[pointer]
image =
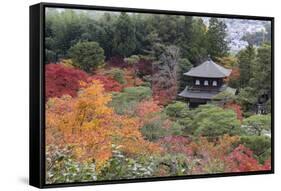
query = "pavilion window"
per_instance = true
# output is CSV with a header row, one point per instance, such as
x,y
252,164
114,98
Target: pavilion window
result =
x,y
197,82
206,83
215,83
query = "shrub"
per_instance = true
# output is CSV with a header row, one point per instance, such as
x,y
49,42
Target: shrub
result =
x,y
258,124
117,74
260,145
87,55
213,121
117,62
144,67
122,167
125,102
63,168
160,127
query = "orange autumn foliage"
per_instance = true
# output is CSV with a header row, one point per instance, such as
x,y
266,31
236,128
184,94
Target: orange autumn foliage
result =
x,y
91,127
147,107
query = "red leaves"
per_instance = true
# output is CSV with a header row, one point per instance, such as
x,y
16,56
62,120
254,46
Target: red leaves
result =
x,y
62,80
164,96
117,62
144,67
241,160
176,144
109,84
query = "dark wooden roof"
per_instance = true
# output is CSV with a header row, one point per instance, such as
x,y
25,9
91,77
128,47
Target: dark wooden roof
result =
x,y
189,93
208,69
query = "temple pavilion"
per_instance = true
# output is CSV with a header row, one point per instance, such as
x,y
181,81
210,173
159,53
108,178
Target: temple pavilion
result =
x,y
205,82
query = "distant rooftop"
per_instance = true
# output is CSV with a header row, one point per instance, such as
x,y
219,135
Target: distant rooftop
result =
x,y
208,69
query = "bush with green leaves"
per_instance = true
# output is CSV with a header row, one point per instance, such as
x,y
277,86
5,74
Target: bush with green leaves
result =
x,y
247,99
123,167
61,167
213,121
258,124
155,130
177,110
180,113
87,55
117,74
126,101
260,145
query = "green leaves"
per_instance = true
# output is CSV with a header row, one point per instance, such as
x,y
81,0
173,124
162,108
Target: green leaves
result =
x,y
124,41
258,124
87,55
126,101
213,121
63,168
260,145
216,34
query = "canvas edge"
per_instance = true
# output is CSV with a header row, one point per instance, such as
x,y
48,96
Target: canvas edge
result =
x,y
37,139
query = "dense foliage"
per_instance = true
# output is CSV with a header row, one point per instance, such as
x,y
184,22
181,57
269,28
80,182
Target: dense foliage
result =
x,y
61,80
112,105
87,55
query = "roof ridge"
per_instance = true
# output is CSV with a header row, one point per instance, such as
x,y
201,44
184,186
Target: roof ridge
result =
x,y
209,69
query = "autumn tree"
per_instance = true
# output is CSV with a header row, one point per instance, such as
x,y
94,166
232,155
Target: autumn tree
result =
x,y
62,80
241,160
109,84
80,122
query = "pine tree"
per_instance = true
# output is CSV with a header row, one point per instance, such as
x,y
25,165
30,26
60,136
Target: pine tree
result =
x,y
124,40
246,62
216,34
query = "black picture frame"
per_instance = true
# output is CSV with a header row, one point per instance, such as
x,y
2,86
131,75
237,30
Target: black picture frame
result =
x,y
37,94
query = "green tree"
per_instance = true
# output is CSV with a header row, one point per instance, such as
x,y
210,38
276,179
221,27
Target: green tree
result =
x,y
212,121
63,30
184,65
126,101
216,34
246,98
117,74
87,55
176,110
124,40
180,114
261,79
260,145
246,62
197,52
101,31
258,124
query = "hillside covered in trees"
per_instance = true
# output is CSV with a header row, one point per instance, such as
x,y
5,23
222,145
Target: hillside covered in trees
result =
x,y
112,106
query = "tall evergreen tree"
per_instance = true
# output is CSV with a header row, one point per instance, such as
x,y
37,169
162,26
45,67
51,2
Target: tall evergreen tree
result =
x,y
246,62
124,40
262,70
184,40
216,34
198,49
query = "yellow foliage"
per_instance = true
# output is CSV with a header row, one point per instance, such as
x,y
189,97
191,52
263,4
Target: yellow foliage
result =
x,y
91,127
